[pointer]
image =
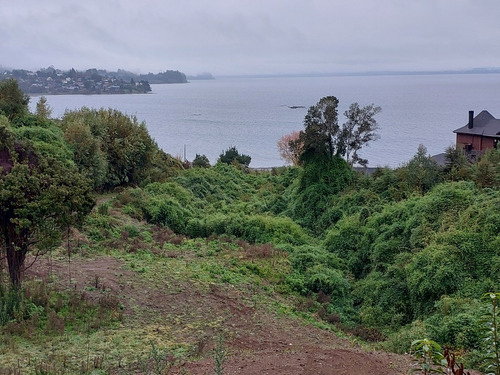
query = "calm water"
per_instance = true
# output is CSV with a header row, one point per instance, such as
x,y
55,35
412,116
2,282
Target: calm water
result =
x,y
207,117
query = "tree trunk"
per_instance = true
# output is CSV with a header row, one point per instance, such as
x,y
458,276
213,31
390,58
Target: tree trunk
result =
x,y
15,260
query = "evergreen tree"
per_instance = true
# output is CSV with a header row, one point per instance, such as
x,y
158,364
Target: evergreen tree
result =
x,y
13,102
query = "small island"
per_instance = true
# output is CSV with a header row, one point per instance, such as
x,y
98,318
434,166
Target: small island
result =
x,y
54,81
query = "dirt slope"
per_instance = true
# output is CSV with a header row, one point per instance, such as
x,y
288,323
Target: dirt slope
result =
x,y
258,341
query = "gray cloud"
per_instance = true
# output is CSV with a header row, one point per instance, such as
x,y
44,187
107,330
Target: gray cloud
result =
x,y
238,37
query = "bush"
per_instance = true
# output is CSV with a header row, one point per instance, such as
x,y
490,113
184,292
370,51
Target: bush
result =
x,y
116,147
168,212
232,157
307,256
456,323
320,180
432,273
327,280
201,161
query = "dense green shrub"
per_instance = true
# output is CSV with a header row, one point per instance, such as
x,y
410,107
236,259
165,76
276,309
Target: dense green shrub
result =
x,y
432,273
44,135
200,161
232,157
456,323
253,228
321,178
122,149
304,257
328,280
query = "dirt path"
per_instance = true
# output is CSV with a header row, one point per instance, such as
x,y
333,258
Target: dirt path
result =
x,y
258,341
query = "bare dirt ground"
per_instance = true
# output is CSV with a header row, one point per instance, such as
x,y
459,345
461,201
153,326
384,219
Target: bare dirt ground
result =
x,y
258,342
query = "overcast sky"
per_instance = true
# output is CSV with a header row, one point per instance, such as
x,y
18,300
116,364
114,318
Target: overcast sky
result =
x,y
226,37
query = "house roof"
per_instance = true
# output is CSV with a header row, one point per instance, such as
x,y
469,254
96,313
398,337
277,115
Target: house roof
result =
x,y
484,124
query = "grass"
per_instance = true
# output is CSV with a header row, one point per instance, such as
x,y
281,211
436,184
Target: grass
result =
x,y
168,277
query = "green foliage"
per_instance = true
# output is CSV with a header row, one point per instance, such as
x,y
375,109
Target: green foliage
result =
x,y
168,212
422,173
232,157
10,304
399,341
360,129
305,257
221,200
327,280
43,110
13,102
87,153
456,323
321,128
491,360
486,172
45,137
343,241
383,299
407,255
432,273
115,149
252,228
201,161
39,195
399,253
457,167
321,178
323,136
407,265
220,356
429,356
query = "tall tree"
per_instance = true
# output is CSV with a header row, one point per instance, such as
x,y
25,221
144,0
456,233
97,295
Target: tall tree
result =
x,y
360,128
13,102
456,165
232,156
422,172
43,110
323,135
321,128
39,196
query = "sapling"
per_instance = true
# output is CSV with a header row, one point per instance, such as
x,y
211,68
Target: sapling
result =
x,y
491,318
429,357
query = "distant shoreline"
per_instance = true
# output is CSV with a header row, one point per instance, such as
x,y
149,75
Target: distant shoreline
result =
x,y
368,74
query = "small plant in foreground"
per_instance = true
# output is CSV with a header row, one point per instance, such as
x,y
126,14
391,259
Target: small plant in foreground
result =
x,y
157,363
219,356
429,357
491,318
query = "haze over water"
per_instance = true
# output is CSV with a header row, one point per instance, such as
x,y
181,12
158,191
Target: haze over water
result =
x,y
207,117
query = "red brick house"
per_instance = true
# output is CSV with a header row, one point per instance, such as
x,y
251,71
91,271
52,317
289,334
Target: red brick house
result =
x,y
481,133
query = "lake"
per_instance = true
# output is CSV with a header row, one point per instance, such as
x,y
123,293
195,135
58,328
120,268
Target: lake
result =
x,y
208,117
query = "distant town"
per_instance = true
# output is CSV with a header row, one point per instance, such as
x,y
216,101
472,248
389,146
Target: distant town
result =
x,y
54,81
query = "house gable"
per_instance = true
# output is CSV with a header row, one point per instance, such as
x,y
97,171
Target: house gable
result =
x,y
481,132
